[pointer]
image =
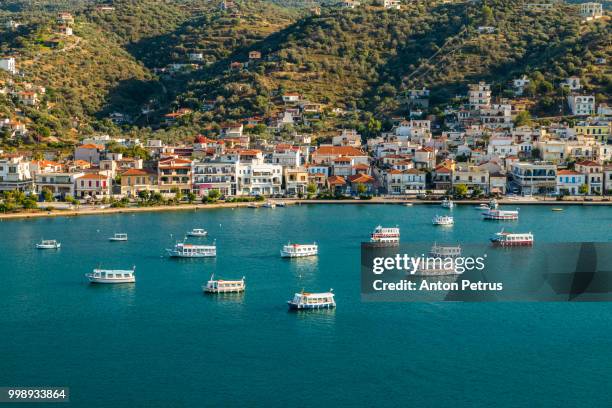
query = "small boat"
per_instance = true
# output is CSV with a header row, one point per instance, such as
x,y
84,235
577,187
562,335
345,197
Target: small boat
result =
x,y
385,236
443,220
446,203
440,262
281,204
197,232
224,286
111,276
48,244
299,250
119,237
252,205
509,239
408,204
269,204
494,213
557,209
306,301
482,206
183,250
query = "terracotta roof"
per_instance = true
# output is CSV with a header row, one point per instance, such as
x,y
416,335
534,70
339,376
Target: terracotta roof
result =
x,y
134,172
568,173
361,178
91,146
93,176
336,180
587,163
339,150
249,152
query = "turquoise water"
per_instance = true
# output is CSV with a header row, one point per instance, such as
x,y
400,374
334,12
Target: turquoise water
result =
x,y
162,343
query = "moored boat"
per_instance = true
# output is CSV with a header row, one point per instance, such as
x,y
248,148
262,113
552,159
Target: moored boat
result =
x,y
269,204
112,276
408,204
48,244
440,262
307,300
557,209
299,250
444,220
385,236
503,238
281,204
446,203
183,250
197,232
252,205
494,213
224,286
119,237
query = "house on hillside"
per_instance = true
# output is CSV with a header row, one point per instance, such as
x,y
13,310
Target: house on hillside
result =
x,y
392,4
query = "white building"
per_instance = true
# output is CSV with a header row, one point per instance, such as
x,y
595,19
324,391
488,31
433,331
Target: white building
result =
x,y
520,84
59,184
581,105
287,155
93,185
8,64
531,178
573,83
569,182
479,95
348,137
591,11
404,182
259,179
392,4
221,175
15,174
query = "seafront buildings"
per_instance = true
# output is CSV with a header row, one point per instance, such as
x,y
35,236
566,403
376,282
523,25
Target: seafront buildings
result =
x,y
480,152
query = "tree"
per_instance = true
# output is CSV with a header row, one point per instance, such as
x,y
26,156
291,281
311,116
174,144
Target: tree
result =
x,y
191,197
487,15
214,194
477,191
144,195
583,189
523,118
460,190
361,189
311,189
47,195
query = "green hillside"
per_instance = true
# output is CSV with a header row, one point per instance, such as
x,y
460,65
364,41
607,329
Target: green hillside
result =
x,y
135,59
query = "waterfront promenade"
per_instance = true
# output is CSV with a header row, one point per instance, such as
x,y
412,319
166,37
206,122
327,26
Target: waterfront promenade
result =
x,y
100,210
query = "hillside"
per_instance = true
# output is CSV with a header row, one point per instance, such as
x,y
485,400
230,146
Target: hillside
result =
x,y
145,58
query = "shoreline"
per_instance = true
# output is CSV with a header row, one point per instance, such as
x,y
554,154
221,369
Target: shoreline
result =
x,y
196,207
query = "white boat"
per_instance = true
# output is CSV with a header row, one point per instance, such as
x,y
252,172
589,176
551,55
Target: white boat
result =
x,y
446,203
252,205
440,261
385,236
48,244
494,213
299,250
197,232
183,250
224,286
112,276
119,237
269,204
443,220
408,204
509,239
482,206
306,300
281,204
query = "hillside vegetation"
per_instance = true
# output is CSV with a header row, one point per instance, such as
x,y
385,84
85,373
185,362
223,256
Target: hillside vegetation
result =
x,y
135,59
